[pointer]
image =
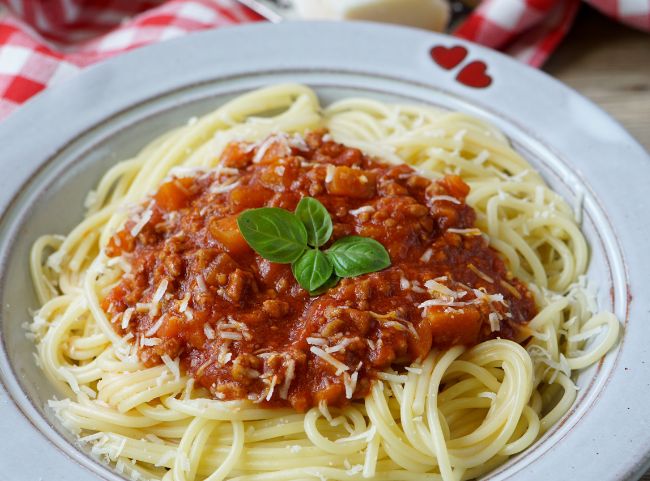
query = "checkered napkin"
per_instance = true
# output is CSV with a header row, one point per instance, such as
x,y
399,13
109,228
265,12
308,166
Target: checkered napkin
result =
x,y
44,42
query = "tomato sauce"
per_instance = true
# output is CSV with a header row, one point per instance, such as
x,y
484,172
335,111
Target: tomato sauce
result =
x,y
245,329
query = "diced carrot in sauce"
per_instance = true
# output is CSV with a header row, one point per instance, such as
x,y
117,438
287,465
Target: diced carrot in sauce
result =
x,y
226,232
455,186
351,182
236,155
174,195
123,241
249,197
456,327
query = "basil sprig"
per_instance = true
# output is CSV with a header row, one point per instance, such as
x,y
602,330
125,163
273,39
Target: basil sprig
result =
x,y
287,238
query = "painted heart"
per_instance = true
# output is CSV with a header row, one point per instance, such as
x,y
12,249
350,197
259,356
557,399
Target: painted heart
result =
x,y
448,57
474,74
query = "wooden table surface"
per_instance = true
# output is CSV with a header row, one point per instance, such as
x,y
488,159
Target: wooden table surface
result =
x,y
610,64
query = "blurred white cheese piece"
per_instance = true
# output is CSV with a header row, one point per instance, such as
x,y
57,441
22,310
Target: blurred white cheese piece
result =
x,y
428,14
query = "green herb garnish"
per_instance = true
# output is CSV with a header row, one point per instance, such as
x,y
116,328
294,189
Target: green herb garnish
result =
x,y
286,238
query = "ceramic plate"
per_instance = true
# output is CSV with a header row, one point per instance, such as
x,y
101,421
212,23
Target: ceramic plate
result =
x,y
57,146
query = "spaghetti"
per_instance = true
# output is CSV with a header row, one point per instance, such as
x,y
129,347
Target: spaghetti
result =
x,y
453,414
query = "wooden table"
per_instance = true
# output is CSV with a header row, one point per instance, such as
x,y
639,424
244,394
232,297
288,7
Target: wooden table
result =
x,y
610,64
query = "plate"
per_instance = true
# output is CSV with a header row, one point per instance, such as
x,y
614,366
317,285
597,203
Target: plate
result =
x,y
57,146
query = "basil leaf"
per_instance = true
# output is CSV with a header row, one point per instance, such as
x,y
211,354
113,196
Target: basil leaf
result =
x,y
312,270
353,256
316,219
329,283
275,234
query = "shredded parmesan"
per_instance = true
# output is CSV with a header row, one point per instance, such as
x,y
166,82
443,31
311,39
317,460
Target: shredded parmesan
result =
x,y
143,307
200,283
289,375
316,341
144,220
350,383
152,341
435,286
184,302
448,198
364,208
426,257
126,317
269,394
208,331
340,367
172,365
153,329
340,346
235,336
280,138
222,188
494,318
329,173
160,292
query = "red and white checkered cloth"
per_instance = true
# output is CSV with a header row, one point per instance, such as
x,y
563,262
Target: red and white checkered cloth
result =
x,y
44,42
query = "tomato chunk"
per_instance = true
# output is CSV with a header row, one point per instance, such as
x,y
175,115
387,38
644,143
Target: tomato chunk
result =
x,y
226,232
174,195
352,183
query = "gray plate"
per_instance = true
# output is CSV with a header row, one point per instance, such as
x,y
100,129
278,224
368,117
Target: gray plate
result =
x,y
58,145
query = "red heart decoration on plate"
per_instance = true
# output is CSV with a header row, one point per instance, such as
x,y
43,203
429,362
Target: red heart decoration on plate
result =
x,y
474,74
448,57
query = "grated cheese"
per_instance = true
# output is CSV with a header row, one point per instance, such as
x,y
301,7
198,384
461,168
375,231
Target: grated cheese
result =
x,y
208,331
235,336
350,383
200,283
289,375
329,173
494,318
153,329
126,317
340,346
448,198
222,188
151,341
362,209
173,366
144,220
269,394
316,341
69,378
160,292
426,256
266,145
184,302
340,367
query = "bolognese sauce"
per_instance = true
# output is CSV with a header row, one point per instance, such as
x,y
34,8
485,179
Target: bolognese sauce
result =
x,y
244,328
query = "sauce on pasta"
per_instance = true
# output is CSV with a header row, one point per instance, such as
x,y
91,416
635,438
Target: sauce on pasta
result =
x,y
244,328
